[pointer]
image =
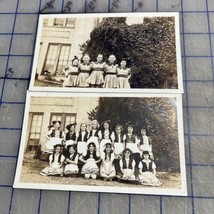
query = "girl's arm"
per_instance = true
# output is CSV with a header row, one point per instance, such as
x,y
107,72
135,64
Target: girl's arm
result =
x,y
81,159
47,136
121,166
133,166
153,168
129,73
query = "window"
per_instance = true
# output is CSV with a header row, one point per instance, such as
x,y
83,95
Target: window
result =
x,y
45,22
59,22
65,22
35,131
65,118
57,58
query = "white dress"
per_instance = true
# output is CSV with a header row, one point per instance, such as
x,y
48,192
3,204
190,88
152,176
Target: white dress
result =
x,y
71,76
146,177
90,167
71,168
97,74
123,77
107,168
55,168
84,72
110,76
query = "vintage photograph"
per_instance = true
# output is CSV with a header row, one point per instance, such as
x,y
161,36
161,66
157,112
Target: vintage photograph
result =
x,y
124,52
103,142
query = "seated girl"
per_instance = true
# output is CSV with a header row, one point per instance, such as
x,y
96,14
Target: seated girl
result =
x,y
127,165
90,160
107,169
55,162
147,170
71,161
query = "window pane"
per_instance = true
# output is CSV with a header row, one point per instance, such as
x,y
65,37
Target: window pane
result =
x,y
59,22
63,59
45,22
70,22
51,58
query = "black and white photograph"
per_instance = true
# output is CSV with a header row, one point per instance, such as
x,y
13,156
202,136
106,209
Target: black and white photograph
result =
x,y
121,143
127,52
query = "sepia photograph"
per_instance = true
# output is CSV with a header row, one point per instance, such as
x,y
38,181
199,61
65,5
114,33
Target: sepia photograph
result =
x,y
126,52
103,142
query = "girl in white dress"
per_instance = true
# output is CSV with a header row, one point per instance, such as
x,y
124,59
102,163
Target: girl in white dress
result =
x,y
82,137
71,161
54,136
84,71
96,79
147,169
71,71
90,160
123,75
55,162
111,73
107,169
127,165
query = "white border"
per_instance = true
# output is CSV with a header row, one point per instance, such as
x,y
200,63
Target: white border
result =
x,y
64,89
141,190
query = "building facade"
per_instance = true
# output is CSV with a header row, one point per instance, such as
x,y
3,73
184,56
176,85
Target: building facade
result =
x,y
44,110
60,41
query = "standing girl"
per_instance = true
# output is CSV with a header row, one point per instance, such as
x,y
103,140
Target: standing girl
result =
x,y
105,134
54,136
71,71
84,71
70,136
90,160
147,169
111,73
55,162
127,165
94,133
123,75
82,137
96,78
71,161
145,143
107,169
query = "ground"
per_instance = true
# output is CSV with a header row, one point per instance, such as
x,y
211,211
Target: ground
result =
x,y
32,167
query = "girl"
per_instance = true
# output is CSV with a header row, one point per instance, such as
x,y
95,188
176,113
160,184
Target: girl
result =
x,y
145,143
71,161
107,169
105,134
96,78
71,71
90,160
55,162
82,137
84,71
110,73
131,142
123,75
54,136
147,169
70,136
117,141
94,133
127,165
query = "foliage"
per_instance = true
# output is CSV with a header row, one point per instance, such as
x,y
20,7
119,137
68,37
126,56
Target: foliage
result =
x,y
157,115
148,47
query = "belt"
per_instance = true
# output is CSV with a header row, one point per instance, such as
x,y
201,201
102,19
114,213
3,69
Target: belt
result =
x,y
124,76
72,73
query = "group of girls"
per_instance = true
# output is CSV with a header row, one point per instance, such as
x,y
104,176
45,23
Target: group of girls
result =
x,y
101,152
97,74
